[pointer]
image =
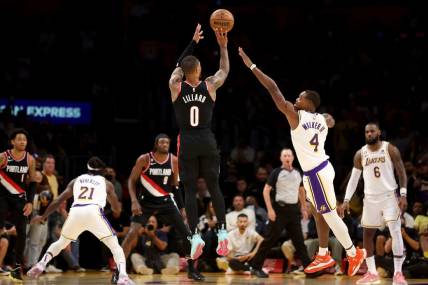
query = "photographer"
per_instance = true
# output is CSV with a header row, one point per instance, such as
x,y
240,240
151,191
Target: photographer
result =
x,y
153,258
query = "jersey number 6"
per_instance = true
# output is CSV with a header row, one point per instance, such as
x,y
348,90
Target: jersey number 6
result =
x,y
83,193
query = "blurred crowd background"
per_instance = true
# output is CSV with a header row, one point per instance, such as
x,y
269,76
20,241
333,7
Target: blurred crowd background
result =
x,y
367,59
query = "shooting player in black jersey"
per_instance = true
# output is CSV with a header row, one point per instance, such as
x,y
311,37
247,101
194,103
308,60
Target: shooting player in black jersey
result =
x,y
193,101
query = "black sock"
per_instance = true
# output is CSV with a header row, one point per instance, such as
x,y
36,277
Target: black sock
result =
x,y
190,265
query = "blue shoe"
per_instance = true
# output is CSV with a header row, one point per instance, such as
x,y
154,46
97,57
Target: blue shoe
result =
x,y
223,241
197,246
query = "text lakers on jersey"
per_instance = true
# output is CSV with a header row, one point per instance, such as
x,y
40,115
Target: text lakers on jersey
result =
x,y
378,170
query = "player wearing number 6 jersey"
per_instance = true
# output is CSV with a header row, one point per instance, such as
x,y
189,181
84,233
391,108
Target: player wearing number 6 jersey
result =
x,y
308,133
377,160
90,192
198,156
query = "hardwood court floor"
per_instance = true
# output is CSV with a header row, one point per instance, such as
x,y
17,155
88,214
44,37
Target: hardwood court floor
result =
x,y
95,278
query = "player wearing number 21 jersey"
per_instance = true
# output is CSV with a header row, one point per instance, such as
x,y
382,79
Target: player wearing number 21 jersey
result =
x,y
308,133
90,192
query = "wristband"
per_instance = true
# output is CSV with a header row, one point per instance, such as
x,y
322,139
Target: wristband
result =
x,y
253,66
403,192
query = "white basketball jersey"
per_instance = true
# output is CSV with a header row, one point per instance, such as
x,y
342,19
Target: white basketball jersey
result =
x,y
90,189
309,139
378,170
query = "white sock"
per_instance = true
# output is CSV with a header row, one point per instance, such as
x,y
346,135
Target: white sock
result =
x,y
371,265
119,257
340,230
322,251
398,263
351,251
46,258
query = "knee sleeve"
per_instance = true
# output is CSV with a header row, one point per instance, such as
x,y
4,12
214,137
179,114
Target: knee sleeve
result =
x,y
397,238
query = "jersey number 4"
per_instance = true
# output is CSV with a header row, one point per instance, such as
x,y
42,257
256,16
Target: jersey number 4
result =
x,y
83,193
194,116
314,141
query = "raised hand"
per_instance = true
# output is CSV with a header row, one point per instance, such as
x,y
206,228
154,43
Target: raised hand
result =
x,y
198,35
221,36
245,57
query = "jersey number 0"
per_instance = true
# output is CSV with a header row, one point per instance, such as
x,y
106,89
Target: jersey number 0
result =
x,y
194,116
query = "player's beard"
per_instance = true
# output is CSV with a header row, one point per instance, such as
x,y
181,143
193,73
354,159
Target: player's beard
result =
x,y
373,140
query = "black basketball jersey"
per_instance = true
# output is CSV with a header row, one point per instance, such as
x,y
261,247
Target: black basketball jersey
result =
x,y
157,177
194,107
13,174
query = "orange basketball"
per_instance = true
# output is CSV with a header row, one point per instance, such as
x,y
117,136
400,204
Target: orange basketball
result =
x,y
223,19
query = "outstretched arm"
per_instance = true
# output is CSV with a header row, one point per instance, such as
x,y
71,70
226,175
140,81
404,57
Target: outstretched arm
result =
x,y
286,107
177,74
67,194
220,76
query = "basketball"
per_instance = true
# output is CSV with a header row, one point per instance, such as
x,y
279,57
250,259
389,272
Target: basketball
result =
x,y
223,19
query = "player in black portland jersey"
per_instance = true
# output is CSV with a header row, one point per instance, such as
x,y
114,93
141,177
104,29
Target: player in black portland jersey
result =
x,y
193,101
157,174
17,189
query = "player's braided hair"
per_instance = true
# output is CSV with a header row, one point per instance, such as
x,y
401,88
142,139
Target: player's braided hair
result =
x,y
95,165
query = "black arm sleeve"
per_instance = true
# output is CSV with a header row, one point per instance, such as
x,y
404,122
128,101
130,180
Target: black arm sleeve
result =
x,y
187,51
31,191
273,177
178,197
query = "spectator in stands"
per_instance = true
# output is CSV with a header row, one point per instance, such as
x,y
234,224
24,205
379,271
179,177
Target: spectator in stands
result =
x,y
256,188
261,214
111,176
421,226
238,206
4,245
50,173
153,257
202,195
244,244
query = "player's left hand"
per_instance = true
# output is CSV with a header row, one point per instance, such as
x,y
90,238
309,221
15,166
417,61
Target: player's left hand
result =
x,y
245,57
28,208
402,203
198,35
